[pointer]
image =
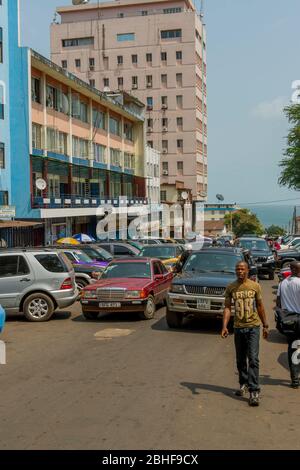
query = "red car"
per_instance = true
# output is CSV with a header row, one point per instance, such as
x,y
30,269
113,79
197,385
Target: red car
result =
x,y
128,285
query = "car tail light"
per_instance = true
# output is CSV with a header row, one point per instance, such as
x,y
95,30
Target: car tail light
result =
x,y
67,284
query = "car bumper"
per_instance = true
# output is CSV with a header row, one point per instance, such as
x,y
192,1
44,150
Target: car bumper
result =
x,y
65,298
266,267
188,304
126,306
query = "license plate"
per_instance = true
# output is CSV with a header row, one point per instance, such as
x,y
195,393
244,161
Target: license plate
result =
x,y
203,304
259,265
109,305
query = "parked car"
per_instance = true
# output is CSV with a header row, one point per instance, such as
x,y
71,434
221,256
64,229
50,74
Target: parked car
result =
x,y
285,257
169,254
200,288
2,318
294,241
36,282
261,253
138,285
119,249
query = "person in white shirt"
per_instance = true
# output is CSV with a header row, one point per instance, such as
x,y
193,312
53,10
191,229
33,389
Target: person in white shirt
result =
x,y
288,298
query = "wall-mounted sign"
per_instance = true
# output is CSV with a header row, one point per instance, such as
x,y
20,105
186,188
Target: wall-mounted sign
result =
x,y
7,212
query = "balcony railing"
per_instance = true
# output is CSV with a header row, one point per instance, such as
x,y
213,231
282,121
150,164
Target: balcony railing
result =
x,y
75,202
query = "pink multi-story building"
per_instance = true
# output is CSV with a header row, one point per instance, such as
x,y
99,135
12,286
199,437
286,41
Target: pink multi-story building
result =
x,y
155,50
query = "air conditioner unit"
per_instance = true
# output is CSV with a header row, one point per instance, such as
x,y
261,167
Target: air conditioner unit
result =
x,y
149,85
149,129
164,106
165,129
92,68
165,151
149,108
165,173
134,86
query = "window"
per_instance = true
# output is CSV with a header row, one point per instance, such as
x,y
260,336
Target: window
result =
x,y
52,263
13,266
179,145
1,46
64,64
115,157
134,82
179,122
171,34
92,82
178,55
77,63
150,143
52,97
144,12
172,10
120,15
179,101
149,102
134,59
120,60
114,126
3,198
149,81
163,196
129,161
78,42
164,122
80,147
36,136
84,112
180,168
2,155
106,82
150,123
165,167
125,37
35,90
156,269
179,79
164,101
1,101
99,153
99,119
91,63
164,144
120,82
163,56
56,141
149,57
164,80
128,131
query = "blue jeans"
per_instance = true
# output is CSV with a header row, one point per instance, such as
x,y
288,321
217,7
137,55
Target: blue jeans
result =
x,y
247,352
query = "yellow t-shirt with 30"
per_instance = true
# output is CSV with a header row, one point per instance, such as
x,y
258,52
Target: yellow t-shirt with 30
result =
x,y
244,297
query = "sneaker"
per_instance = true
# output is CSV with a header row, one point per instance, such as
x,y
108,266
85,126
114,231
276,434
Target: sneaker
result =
x,y
295,384
254,399
241,392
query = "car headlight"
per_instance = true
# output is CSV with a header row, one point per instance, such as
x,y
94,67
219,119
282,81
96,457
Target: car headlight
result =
x,y
133,294
177,289
87,294
271,258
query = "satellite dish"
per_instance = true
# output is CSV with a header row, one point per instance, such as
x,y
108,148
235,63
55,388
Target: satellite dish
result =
x,y
80,2
220,197
184,195
41,184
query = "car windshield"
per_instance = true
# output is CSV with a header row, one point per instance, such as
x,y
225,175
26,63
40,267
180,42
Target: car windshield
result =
x,y
95,253
212,262
127,270
159,251
260,245
81,256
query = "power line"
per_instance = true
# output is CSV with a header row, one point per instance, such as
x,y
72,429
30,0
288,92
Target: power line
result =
x,y
268,202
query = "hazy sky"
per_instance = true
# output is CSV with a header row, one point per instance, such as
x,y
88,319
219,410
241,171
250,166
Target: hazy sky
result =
x,y
253,57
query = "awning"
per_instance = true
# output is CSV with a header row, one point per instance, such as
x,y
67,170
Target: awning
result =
x,y
19,224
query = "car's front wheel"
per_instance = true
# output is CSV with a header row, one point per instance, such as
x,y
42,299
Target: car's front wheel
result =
x,y
150,309
81,283
174,319
286,264
38,307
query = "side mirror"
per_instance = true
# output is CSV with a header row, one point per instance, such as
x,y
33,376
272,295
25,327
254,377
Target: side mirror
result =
x,y
158,277
253,271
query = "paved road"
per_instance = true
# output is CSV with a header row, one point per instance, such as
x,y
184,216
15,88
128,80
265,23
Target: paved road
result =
x,y
73,384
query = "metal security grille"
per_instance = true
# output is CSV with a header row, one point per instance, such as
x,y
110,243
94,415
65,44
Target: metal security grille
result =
x,y
199,290
111,294
261,259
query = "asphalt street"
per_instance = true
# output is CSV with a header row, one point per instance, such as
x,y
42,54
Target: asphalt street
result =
x,y
121,383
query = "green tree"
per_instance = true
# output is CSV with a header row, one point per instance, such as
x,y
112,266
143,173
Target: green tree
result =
x,y
275,231
290,173
243,222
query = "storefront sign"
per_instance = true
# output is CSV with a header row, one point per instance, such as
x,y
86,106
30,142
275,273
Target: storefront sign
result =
x,y
7,212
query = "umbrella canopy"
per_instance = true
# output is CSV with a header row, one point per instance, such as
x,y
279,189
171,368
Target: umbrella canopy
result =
x,y
67,241
83,238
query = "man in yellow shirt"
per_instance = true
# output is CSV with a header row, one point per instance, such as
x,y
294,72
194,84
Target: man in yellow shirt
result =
x,y
245,296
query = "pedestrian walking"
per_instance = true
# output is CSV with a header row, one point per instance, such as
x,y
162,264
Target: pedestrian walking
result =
x,y
249,314
288,298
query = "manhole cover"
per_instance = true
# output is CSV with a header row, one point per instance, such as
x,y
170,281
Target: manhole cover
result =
x,y
111,333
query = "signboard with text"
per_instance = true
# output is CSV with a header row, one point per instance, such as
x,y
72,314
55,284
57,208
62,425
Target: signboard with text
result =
x,y
7,212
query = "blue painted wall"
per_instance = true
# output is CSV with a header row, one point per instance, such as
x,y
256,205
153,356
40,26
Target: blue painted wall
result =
x,y
5,177
20,125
